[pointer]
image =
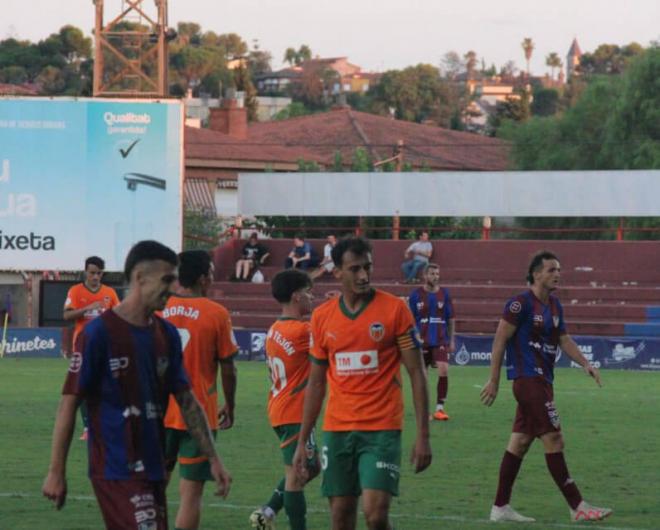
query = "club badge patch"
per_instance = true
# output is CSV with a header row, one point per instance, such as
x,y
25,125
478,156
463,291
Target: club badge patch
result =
x,y
377,331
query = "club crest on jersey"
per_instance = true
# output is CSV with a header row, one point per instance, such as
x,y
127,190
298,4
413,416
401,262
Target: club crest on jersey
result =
x,y
555,321
441,305
377,331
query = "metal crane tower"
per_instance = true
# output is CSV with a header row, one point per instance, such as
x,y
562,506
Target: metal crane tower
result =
x,y
130,55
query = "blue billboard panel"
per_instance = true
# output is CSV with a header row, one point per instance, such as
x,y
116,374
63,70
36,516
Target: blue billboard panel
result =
x,y
87,177
32,342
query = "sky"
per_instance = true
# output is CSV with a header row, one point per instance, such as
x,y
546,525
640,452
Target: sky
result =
x,y
379,34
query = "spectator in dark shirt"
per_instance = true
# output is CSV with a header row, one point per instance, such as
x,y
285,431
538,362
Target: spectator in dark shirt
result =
x,y
302,255
253,255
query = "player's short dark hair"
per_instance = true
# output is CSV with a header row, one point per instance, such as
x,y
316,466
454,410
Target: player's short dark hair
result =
x,y
287,282
357,245
95,260
537,263
430,265
193,264
300,236
148,250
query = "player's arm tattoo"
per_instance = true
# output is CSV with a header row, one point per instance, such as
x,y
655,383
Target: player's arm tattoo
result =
x,y
196,422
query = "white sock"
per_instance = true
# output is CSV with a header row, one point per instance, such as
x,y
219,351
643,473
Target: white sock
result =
x,y
439,406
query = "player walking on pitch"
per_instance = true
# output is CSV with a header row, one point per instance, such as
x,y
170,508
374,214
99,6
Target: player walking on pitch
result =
x,y
433,310
359,341
207,340
532,330
287,352
84,302
126,364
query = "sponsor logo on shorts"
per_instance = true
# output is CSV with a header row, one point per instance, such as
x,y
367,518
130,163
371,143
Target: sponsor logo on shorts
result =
x,y
142,501
392,469
75,364
356,362
377,331
142,516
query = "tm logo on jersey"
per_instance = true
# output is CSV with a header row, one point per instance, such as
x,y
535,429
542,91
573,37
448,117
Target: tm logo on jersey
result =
x,y
356,362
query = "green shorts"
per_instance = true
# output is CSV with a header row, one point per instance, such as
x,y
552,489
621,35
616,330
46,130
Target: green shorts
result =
x,y
181,447
356,460
288,436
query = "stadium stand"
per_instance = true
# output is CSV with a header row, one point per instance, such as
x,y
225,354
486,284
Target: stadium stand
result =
x,y
609,288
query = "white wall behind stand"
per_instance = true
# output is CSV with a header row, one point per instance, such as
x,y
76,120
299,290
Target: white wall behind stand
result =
x,y
453,194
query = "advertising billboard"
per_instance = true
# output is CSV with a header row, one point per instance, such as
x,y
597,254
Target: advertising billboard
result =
x,y
82,177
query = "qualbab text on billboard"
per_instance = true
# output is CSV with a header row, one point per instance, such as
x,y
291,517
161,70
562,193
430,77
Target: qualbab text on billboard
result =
x,y
127,123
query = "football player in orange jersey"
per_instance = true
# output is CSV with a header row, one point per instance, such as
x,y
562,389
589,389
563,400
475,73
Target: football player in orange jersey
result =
x,y
84,302
207,340
287,351
359,341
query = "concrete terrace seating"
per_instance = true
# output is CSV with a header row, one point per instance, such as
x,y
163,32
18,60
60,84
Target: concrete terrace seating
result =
x,y
608,287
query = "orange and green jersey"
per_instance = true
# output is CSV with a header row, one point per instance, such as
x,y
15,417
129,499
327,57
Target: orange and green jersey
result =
x,y
80,296
206,338
363,353
287,353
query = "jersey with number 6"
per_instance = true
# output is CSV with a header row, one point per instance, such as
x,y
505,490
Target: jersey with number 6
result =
x,y
363,354
287,351
206,338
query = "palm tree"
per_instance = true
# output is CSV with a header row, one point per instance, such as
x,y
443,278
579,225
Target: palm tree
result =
x,y
553,61
290,56
528,46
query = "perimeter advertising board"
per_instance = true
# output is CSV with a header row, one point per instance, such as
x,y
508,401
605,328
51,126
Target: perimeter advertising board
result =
x,y
87,177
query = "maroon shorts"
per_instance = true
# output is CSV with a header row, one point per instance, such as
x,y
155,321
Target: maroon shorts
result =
x,y
132,504
536,414
435,354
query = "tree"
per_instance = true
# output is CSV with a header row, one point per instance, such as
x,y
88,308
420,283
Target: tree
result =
x,y
609,59
232,45
243,83
293,110
290,56
451,65
258,60
528,47
51,80
545,102
470,63
514,109
416,93
553,61
189,33
304,53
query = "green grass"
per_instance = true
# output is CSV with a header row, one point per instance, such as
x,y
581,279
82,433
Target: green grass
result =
x,y
612,446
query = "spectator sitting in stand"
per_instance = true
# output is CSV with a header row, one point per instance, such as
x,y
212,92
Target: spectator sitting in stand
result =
x,y
253,255
302,255
417,255
326,265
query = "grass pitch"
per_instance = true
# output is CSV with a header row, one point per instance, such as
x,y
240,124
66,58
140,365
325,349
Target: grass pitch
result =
x,y
612,447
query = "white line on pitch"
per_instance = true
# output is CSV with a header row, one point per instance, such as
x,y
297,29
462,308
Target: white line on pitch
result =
x,y
394,515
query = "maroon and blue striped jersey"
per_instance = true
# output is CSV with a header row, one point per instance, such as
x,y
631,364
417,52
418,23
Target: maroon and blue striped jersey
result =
x,y
126,374
432,312
534,346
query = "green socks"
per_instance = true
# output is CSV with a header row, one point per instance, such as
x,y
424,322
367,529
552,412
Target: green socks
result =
x,y
295,507
276,502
